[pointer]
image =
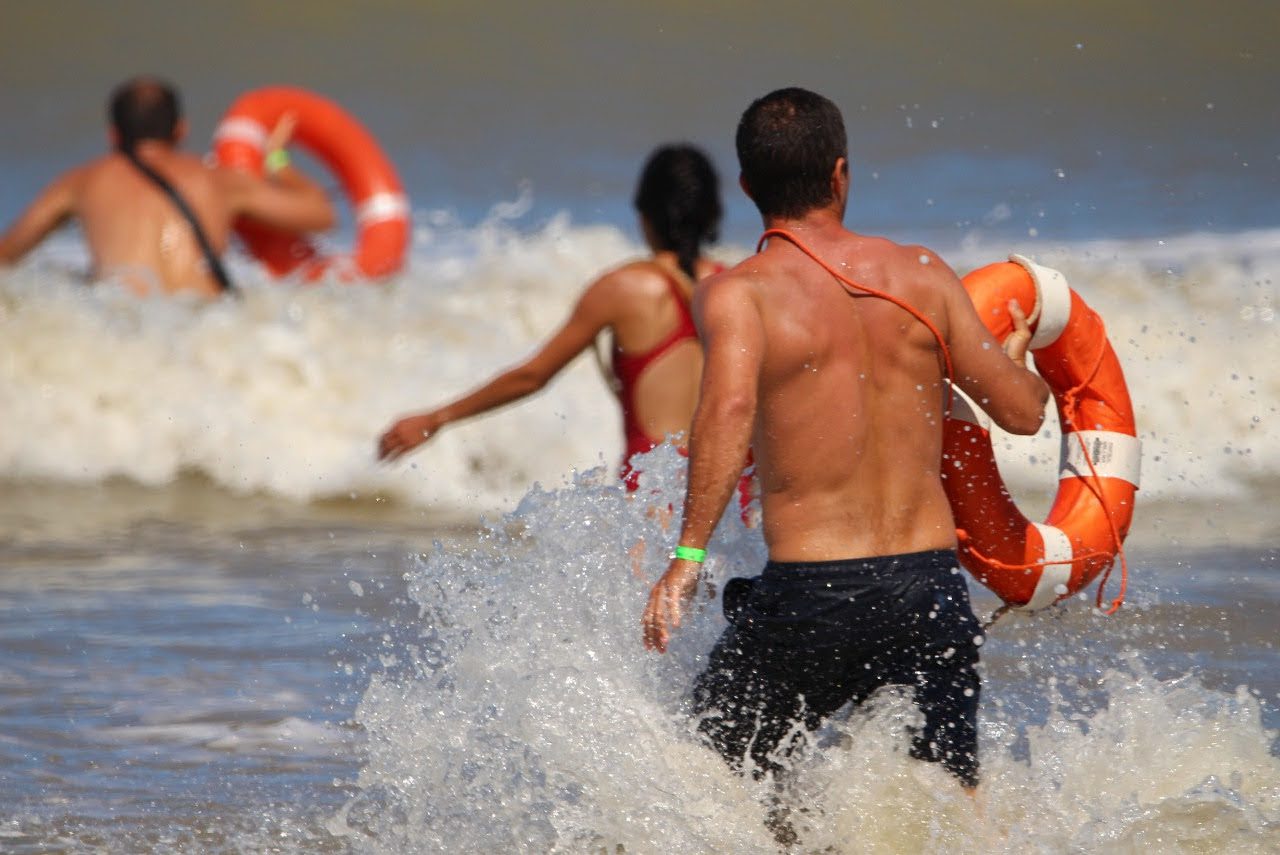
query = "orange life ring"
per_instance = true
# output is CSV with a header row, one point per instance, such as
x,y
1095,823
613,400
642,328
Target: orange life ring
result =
x,y
1031,565
350,152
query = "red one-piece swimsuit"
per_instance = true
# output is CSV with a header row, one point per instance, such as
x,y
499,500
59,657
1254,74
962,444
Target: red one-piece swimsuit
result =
x,y
628,367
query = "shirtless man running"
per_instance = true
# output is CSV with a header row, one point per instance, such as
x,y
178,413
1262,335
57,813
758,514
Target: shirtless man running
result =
x,y
841,396
134,231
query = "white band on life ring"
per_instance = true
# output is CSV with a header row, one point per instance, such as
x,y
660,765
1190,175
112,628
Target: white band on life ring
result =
x,y
240,129
1114,455
1056,574
380,207
1053,302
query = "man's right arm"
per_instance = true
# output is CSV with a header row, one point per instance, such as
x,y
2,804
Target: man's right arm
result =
x,y
995,376
48,211
732,335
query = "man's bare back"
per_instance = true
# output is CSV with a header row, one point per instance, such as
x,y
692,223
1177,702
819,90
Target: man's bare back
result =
x,y
135,233
848,429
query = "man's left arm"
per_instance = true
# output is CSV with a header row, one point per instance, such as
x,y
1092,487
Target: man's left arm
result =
x,y
732,338
48,211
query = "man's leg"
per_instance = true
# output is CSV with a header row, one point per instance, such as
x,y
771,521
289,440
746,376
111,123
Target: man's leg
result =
x,y
945,677
744,708
948,698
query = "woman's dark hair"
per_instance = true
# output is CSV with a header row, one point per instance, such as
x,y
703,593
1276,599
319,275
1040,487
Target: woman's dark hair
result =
x,y
788,142
144,108
679,196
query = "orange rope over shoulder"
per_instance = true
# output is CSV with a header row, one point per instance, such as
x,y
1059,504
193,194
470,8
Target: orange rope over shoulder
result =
x,y
851,286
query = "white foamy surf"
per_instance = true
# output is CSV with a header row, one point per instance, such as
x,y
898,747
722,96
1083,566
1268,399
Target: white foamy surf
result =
x,y
285,390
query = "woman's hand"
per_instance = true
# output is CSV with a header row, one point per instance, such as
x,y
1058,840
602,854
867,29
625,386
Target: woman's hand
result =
x,y
407,434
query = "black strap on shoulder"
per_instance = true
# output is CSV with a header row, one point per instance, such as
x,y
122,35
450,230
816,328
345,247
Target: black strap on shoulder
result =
x,y
211,258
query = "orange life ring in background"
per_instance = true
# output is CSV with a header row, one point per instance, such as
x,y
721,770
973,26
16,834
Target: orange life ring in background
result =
x,y
1032,565
338,140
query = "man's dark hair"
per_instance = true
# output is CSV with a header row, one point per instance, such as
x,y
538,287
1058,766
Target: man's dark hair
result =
x,y
788,143
144,108
679,195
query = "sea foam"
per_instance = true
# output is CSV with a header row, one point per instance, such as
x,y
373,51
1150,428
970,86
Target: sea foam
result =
x,y
286,390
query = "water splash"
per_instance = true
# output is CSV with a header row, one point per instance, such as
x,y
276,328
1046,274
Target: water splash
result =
x,y
521,714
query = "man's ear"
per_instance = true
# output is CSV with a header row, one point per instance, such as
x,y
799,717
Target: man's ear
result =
x,y
113,137
180,131
840,177
746,188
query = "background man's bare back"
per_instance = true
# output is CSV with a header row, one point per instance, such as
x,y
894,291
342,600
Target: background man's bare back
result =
x,y
135,233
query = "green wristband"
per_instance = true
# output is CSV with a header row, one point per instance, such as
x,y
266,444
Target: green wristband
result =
x,y
276,160
691,553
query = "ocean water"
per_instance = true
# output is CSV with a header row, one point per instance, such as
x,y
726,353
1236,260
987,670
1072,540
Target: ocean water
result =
x,y
225,628
210,673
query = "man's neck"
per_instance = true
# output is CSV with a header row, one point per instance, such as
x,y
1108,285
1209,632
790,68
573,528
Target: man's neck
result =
x,y
816,222
151,148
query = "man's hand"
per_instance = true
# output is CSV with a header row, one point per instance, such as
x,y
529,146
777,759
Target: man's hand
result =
x,y
1015,345
281,133
407,434
675,589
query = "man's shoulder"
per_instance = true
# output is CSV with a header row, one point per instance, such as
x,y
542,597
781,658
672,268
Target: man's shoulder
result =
x,y
917,259
890,248
741,277
91,168
731,291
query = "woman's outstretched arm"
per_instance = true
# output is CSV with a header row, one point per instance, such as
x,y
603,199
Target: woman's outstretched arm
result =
x,y
592,313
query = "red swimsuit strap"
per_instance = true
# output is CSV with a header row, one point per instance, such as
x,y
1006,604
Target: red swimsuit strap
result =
x,y
630,365
851,286
628,368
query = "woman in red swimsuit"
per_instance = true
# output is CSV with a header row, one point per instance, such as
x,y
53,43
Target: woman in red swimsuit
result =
x,y
644,304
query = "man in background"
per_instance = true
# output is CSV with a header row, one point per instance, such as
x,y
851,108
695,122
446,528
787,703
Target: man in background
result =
x,y
157,238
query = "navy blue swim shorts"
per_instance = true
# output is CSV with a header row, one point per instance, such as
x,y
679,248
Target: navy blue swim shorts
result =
x,y
804,639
